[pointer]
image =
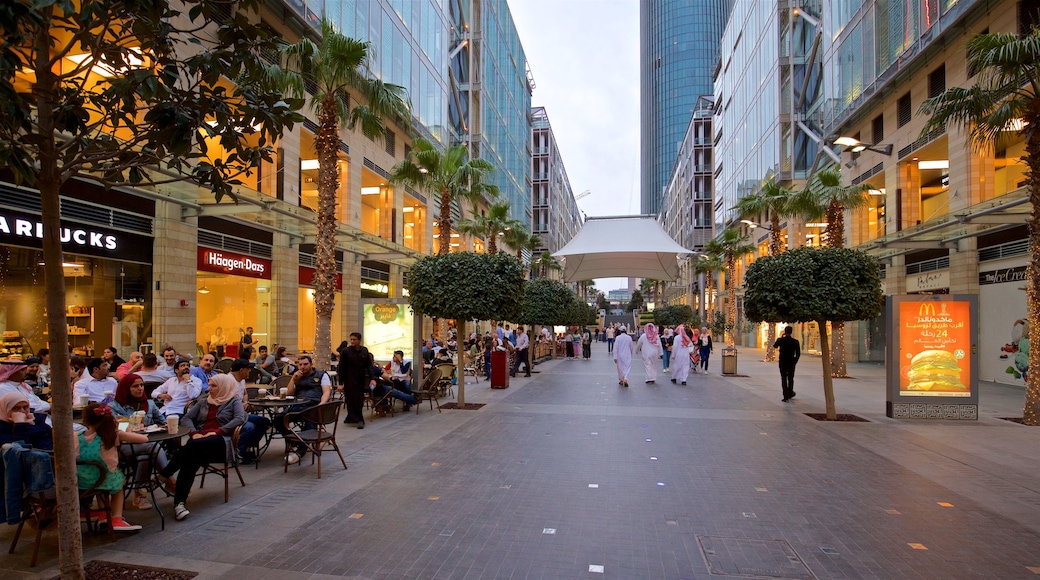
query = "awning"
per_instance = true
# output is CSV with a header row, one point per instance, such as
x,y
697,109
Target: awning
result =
x,y
1003,212
625,246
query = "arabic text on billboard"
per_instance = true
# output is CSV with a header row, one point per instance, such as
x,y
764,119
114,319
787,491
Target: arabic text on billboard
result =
x,y
934,349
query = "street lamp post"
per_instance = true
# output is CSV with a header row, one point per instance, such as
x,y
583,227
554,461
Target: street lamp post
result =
x,y
854,145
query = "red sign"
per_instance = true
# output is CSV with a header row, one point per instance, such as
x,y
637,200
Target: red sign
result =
x,y
225,262
307,278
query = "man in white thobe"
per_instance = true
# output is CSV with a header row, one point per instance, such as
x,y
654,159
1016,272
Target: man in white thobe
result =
x,y
623,355
649,347
681,345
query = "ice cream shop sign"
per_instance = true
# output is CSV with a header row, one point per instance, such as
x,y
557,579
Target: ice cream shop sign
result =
x,y
932,356
225,262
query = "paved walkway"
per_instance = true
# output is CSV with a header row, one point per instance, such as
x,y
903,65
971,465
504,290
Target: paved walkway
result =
x,y
568,475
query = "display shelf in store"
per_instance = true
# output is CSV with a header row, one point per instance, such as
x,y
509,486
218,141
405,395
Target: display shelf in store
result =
x,y
13,346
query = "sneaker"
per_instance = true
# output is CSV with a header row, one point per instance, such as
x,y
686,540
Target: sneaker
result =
x,y
180,512
293,458
142,502
121,525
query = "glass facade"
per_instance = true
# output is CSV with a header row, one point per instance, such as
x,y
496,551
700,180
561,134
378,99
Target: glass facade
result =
x,y
747,97
679,47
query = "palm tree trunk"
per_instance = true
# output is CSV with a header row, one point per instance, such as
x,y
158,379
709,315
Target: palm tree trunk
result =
x,y
444,224
70,542
709,305
776,245
828,382
1031,410
460,363
327,145
731,300
836,239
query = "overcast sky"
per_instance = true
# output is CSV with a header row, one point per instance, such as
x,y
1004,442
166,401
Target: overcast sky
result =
x,y
584,56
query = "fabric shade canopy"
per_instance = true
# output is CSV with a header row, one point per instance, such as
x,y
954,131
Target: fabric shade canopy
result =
x,y
626,246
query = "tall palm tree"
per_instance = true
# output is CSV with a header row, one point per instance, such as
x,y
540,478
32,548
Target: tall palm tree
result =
x,y
546,263
730,246
490,226
451,175
1005,98
333,70
708,265
775,201
519,239
826,196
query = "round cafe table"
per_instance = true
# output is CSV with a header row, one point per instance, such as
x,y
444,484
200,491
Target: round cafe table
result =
x,y
153,453
270,408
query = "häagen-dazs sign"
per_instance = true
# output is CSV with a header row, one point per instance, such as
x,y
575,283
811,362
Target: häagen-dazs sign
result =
x,y
928,281
234,264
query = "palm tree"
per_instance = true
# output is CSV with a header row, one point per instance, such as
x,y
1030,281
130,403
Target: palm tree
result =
x,y
519,239
709,264
332,70
825,195
775,201
546,263
490,226
1005,97
451,175
730,246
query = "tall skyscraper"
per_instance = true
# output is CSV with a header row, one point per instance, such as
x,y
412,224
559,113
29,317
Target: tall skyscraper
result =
x,y
678,50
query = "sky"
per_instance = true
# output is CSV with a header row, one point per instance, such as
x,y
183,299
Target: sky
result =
x,y
584,57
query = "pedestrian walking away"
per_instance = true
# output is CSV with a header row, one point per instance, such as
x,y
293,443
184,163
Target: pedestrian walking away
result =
x,y
609,333
681,345
649,348
623,355
666,346
790,352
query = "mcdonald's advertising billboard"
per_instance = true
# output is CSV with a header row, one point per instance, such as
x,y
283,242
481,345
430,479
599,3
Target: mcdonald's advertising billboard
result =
x,y
933,348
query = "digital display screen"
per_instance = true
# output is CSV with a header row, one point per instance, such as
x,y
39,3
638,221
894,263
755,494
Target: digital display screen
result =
x,y
935,348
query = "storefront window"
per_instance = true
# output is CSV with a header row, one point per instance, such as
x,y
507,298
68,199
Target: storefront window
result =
x,y
413,218
309,319
108,303
376,203
231,303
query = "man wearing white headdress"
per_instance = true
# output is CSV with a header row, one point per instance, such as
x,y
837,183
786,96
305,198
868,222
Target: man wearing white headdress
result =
x,y
681,345
649,347
623,355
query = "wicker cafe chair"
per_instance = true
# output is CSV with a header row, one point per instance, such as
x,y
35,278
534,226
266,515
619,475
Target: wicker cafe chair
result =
x,y
224,365
280,382
317,438
43,509
445,384
428,390
224,469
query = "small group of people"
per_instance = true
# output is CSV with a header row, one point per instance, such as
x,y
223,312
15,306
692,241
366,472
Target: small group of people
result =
x,y
685,348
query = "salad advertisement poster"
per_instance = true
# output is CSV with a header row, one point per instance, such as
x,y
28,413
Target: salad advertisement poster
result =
x,y
935,348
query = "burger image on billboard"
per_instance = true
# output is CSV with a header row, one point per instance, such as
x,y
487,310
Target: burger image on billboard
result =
x,y
935,370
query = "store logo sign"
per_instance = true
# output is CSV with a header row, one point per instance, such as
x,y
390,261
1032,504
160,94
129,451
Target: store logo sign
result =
x,y
376,287
235,264
86,238
1018,274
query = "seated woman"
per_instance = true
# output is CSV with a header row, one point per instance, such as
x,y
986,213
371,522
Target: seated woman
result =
x,y
17,423
129,399
212,421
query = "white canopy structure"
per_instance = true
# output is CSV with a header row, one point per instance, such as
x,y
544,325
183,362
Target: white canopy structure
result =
x,y
623,246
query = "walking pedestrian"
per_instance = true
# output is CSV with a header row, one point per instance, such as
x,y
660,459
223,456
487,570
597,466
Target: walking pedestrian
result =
x,y
666,347
586,343
568,344
681,345
649,347
705,347
790,352
623,355
354,374
609,333
523,343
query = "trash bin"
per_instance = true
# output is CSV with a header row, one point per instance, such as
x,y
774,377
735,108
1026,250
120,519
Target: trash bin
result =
x,y
499,369
729,361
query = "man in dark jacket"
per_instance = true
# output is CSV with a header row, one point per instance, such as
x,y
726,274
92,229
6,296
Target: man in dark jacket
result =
x,y
790,352
353,374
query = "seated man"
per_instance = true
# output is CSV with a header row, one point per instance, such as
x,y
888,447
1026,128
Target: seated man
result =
x,y
150,372
96,383
381,385
12,380
255,426
130,366
266,364
205,371
428,352
400,372
311,387
178,391
169,361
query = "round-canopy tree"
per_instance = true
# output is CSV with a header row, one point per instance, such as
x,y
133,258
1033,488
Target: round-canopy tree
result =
x,y
673,315
467,286
814,284
545,302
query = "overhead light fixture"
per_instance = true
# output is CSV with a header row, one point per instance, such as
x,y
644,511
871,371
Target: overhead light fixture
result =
x,y
407,209
370,191
308,164
934,164
749,223
877,191
100,68
203,290
856,146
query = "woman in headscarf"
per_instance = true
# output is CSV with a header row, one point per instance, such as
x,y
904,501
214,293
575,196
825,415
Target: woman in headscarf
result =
x,y
681,345
17,423
129,399
212,421
649,346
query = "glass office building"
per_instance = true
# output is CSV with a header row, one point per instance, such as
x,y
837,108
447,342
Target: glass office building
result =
x,y
679,47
